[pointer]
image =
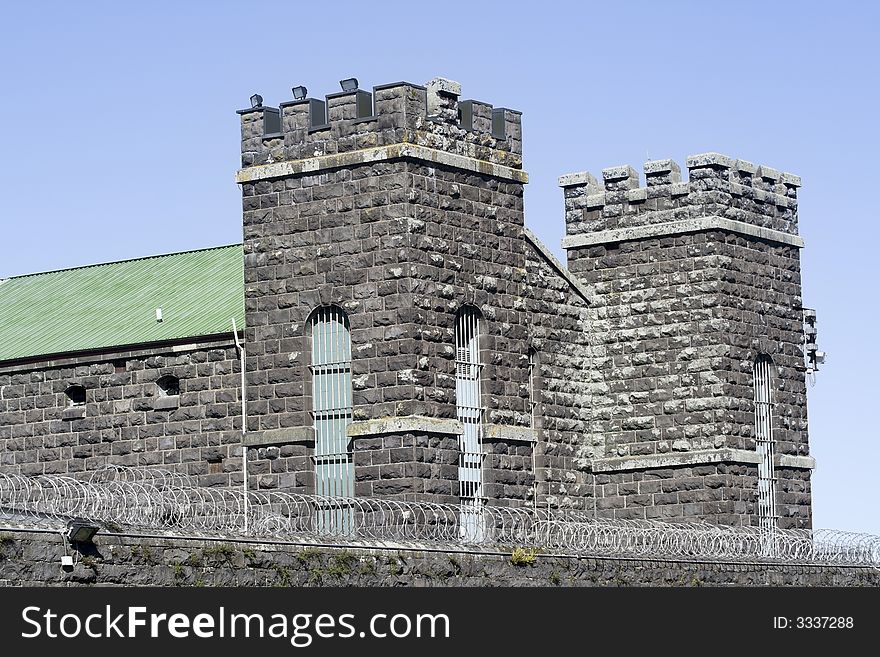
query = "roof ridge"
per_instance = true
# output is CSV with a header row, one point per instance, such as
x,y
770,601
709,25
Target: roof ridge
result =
x,y
119,262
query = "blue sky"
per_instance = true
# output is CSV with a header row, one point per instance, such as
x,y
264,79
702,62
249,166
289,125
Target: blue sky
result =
x,y
121,138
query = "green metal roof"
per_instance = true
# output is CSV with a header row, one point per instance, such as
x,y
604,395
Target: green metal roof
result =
x,y
114,304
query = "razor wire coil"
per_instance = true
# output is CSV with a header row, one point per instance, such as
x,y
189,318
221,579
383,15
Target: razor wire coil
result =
x,y
156,500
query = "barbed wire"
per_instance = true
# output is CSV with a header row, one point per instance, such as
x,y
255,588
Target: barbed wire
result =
x,y
156,500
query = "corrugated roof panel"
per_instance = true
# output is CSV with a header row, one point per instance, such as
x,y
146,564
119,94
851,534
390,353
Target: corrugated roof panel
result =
x,y
115,304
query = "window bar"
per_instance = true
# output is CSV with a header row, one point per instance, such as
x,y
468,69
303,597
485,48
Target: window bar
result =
x,y
337,422
337,465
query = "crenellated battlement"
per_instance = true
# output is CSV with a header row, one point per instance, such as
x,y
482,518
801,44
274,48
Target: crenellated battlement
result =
x,y
399,113
717,186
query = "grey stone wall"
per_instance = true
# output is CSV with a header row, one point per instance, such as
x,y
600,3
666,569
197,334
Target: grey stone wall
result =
x,y
720,492
33,559
407,464
681,320
559,329
338,237
127,421
401,248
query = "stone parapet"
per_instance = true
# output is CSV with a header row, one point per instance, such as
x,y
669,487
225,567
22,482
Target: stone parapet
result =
x,y
717,185
397,113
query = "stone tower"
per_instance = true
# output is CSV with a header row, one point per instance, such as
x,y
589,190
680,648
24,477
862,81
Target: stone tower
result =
x,y
692,285
398,208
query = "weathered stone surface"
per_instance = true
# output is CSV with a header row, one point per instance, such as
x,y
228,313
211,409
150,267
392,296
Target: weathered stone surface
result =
x,y
409,423
674,228
32,559
281,436
401,115
126,420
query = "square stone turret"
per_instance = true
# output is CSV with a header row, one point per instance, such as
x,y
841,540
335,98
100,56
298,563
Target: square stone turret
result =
x,y
693,281
398,207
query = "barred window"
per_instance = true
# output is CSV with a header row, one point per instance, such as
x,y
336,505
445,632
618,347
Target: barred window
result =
x,y
469,412
764,443
332,412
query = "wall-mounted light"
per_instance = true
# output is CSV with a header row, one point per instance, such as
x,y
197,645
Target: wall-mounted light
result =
x,y
349,84
813,355
300,92
80,531
256,100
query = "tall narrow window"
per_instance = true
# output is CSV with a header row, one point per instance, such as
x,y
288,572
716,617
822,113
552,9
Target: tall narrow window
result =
x,y
331,394
765,444
470,413
533,408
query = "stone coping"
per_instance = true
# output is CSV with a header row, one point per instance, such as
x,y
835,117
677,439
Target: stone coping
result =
x,y
283,436
679,228
699,457
404,424
390,425
509,433
378,154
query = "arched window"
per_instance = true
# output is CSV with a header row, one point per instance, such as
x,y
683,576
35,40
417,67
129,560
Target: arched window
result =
x,y
469,411
332,410
76,395
764,443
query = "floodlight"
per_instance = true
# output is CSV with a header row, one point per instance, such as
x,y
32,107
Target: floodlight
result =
x,y
300,92
80,531
256,100
349,84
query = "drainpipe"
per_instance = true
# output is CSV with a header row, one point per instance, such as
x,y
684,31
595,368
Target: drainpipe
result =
x,y
244,450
